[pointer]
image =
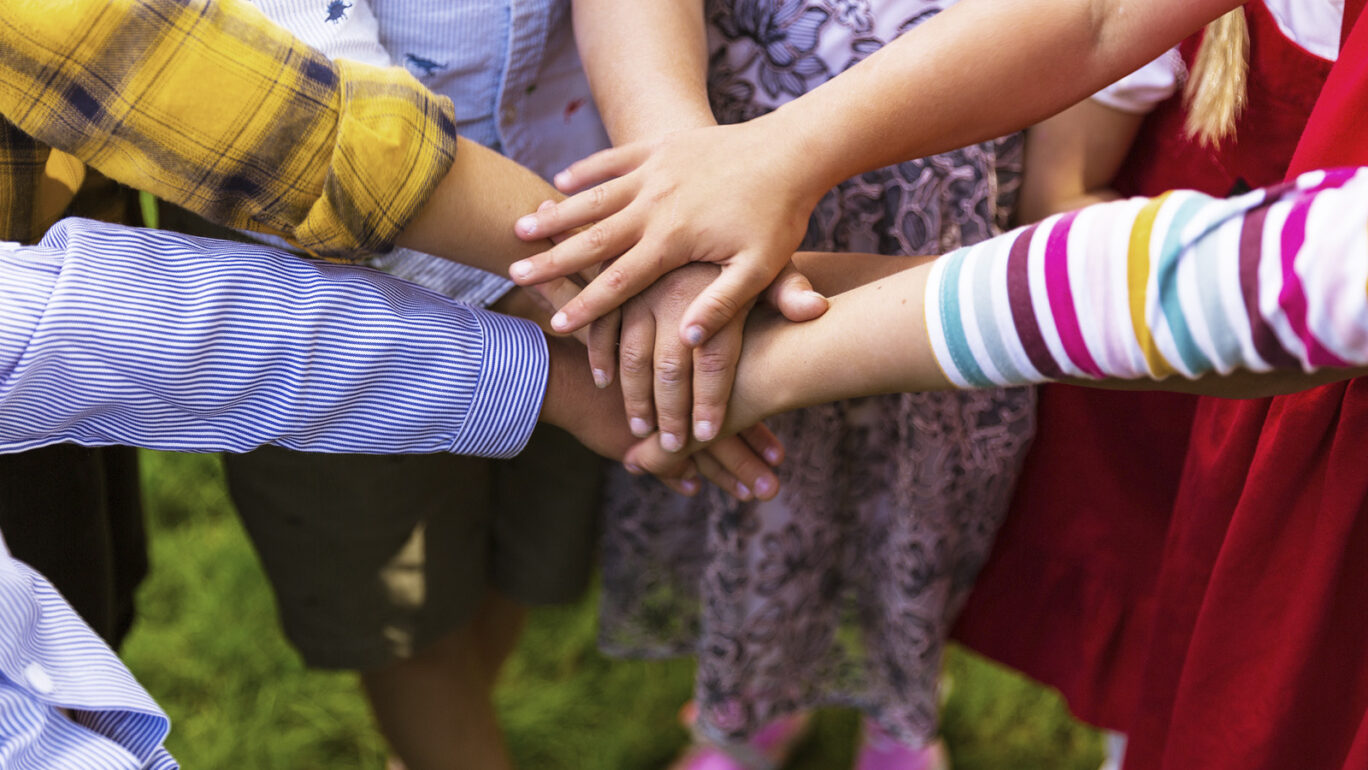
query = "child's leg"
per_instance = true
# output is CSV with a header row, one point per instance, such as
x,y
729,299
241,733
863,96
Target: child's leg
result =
x,y
435,708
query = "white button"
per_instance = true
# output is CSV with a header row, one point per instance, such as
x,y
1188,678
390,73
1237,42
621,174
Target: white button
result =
x,y
38,679
510,113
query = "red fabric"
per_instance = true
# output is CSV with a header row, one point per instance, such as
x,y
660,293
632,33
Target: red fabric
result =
x,y
1091,517
1336,136
1260,647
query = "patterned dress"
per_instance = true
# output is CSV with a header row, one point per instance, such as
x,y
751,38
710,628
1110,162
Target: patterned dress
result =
x,y
843,588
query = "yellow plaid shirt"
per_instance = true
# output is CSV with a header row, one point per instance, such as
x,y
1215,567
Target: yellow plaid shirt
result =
x,y
207,104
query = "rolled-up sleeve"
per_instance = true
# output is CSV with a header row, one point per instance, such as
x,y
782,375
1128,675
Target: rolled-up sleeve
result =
x,y
209,105
112,335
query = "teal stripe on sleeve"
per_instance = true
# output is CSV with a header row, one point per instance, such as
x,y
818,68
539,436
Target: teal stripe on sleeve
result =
x,y
987,315
952,322
1167,283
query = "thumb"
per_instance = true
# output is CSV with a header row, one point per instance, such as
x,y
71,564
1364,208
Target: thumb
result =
x,y
792,294
726,297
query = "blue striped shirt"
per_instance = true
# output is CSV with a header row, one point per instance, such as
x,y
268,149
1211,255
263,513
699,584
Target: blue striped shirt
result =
x,y
49,660
114,335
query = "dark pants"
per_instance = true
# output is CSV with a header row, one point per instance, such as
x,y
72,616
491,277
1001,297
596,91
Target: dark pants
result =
x,y
75,515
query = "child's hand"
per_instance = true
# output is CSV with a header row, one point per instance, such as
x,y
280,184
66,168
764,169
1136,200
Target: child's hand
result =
x,y
659,374
731,195
595,417
662,378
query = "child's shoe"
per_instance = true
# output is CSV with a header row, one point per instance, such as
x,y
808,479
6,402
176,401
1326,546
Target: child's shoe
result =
x,y
881,751
768,749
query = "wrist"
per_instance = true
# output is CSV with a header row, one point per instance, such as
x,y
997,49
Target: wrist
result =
x,y
765,383
801,151
650,123
558,405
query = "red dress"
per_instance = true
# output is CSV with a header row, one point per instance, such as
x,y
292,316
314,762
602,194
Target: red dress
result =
x,y
1263,596
1186,630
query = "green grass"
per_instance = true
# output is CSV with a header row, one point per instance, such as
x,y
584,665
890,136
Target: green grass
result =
x,y
208,648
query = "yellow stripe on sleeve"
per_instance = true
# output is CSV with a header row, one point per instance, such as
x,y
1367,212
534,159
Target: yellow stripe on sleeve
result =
x,y
1137,271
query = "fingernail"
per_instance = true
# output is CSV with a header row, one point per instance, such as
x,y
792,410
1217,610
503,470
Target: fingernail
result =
x,y
601,378
773,455
560,321
562,179
693,335
816,295
640,428
671,442
764,486
704,430
742,491
527,225
633,469
520,270
690,486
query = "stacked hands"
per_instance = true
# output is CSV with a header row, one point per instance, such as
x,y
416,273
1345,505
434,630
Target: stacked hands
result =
x,y
663,314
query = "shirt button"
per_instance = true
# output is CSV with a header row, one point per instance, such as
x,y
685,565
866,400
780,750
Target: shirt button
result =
x,y
510,113
38,679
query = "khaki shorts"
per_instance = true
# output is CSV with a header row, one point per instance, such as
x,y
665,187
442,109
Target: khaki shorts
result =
x,y
373,558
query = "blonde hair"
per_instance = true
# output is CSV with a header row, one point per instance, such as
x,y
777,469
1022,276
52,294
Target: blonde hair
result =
x,y
1217,87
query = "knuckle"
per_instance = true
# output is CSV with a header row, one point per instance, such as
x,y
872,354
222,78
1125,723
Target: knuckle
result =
x,y
670,370
614,278
598,197
712,362
634,362
597,235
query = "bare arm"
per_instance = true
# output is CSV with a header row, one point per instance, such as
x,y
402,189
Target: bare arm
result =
x,y
469,216
978,70
1071,159
739,195
1128,294
873,340
647,64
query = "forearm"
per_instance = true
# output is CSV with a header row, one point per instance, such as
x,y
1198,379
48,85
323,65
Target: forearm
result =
x,y
1184,293
833,272
145,338
1072,158
871,340
647,64
469,217
978,70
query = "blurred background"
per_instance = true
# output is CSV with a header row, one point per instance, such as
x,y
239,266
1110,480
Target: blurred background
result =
x,y
207,646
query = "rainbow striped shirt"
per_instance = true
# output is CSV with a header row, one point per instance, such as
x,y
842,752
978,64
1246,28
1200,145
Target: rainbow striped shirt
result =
x,y
1181,284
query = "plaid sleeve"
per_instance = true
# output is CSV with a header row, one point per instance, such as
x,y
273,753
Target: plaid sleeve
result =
x,y
21,166
209,105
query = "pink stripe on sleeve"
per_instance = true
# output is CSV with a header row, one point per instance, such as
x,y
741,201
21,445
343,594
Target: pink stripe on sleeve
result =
x,y
1061,296
1292,298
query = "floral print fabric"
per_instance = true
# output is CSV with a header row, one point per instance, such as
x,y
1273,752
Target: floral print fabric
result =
x,y
842,589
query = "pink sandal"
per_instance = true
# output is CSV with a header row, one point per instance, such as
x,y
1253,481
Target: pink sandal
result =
x,y
881,751
768,749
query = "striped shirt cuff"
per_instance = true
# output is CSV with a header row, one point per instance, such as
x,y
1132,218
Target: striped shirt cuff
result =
x,y
508,397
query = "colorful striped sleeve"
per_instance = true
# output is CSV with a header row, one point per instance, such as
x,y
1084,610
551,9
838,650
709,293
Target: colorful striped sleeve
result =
x,y
1182,284
116,335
